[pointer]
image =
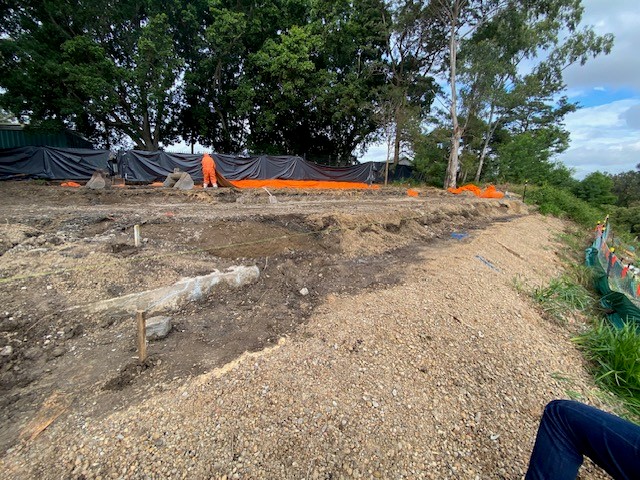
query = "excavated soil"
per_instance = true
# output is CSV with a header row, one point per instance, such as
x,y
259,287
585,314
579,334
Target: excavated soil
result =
x,y
385,338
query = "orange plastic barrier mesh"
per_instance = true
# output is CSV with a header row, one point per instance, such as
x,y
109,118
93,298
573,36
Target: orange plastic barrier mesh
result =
x,y
489,192
412,193
70,184
273,183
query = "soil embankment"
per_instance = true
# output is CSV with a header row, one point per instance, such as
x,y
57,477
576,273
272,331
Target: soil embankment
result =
x,y
375,343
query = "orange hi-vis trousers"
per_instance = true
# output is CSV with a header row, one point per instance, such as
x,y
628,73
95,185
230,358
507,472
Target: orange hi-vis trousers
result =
x,y
208,170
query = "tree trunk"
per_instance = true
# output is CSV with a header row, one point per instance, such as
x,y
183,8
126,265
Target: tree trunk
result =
x,y
485,146
150,143
396,143
452,167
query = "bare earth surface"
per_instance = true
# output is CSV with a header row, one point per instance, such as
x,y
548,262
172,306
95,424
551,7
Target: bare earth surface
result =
x,y
375,344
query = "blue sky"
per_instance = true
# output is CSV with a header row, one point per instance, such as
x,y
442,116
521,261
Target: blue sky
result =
x,y
605,132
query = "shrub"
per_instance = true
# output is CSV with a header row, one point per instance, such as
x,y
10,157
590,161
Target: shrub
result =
x,y
562,203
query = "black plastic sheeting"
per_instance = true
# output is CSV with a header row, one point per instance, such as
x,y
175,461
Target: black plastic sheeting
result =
x,y
141,166
52,163
397,173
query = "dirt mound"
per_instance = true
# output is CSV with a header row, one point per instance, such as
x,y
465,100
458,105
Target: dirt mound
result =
x,y
406,355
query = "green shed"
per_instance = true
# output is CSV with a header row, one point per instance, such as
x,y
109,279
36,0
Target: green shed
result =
x,y
13,136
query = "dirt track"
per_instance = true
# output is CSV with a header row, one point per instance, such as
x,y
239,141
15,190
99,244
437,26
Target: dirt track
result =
x,y
412,356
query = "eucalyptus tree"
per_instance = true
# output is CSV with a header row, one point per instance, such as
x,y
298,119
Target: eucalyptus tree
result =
x,y
413,50
489,43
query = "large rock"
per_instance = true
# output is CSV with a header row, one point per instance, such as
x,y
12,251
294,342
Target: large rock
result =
x,y
179,180
174,296
99,180
185,182
158,327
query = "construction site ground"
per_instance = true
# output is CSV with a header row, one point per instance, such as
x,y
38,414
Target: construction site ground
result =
x,y
387,336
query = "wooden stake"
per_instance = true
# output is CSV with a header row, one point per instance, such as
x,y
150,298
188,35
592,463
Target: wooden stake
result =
x,y
142,335
136,235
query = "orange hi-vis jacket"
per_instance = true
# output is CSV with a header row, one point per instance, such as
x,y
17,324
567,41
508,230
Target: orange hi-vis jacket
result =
x,y
208,169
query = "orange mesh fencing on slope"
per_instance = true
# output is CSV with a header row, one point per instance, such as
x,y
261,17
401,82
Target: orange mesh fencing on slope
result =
x,y
275,183
489,192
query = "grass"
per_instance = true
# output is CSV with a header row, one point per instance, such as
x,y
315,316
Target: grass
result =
x,y
614,356
563,297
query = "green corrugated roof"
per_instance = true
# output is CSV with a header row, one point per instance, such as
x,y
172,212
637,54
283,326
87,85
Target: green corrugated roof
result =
x,y
12,136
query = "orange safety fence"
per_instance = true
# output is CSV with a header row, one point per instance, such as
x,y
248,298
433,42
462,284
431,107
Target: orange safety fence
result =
x,y
489,192
275,183
70,184
412,193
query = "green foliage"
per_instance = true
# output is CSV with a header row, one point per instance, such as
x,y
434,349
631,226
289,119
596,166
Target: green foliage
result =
x,y
626,186
626,220
496,39
108,75
430,160
320,77
562,203
615,362
596,189
526,157
562,297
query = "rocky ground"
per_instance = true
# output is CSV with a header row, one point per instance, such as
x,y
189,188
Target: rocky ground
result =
x,y
375,344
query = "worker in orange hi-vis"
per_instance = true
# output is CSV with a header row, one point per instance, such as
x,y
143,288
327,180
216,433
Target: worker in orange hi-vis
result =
x,y
209,171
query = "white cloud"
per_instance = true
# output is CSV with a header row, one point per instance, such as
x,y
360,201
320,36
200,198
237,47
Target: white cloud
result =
x,y
621,67
376,153
603,139
632,117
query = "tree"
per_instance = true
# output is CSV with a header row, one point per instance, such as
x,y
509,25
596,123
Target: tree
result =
x,y
527,156
413,47
218,91
596,189
494,37
315,88
431,155
67,64
626,186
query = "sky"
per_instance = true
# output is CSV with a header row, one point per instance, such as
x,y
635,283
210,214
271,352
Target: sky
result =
x,y
605,131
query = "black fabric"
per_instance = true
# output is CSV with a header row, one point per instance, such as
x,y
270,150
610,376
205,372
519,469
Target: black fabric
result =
x,y
51,163
266,167
140,166
397,173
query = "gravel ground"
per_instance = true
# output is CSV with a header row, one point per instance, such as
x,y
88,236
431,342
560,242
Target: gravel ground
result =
x,y
444,376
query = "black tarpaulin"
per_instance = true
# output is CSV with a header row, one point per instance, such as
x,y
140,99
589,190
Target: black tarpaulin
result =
x,y
265,167
52,163
141,166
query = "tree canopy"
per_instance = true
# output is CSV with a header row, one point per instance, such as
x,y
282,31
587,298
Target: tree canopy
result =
x,y
315,77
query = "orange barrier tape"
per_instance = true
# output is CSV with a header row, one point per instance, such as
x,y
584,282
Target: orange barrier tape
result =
x,y
274,183
489,192
70,184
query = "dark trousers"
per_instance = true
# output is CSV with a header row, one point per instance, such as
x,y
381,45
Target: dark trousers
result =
x,y
569,430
